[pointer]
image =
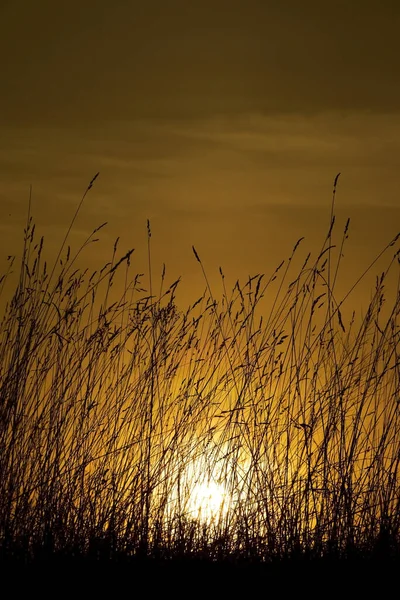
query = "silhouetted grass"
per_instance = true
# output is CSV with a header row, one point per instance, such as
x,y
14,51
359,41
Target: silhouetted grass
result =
x,y
114,408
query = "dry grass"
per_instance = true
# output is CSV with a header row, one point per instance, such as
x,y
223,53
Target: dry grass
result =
x,y
113,410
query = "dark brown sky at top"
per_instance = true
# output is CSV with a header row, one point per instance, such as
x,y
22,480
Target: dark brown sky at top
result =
x,y
223,122
88,59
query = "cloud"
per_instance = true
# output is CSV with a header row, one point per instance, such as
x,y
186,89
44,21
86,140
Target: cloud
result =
x,y
242,189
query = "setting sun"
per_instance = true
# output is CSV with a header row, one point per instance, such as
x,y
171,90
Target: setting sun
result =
x,y
208,501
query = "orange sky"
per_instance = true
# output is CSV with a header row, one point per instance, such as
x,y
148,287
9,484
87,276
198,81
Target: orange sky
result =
x,y
224,123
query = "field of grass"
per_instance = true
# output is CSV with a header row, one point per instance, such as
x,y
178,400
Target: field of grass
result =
x,y
260,425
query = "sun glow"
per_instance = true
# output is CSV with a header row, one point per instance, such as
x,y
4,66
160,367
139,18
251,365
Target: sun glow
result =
x,y
202,488
208,501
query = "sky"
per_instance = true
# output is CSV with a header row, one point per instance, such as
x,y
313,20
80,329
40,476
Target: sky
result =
x,y
224,123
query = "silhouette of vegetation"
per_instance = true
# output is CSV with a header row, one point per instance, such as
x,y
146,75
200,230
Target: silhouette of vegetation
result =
x,y
115,405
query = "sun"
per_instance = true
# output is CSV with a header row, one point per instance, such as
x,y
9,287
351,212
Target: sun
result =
x,y
208,501
201,493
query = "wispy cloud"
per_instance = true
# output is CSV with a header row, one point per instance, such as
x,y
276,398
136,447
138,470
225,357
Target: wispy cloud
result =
x,y
242,188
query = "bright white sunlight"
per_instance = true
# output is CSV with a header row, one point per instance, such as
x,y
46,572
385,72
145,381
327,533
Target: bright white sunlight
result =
x,y
207,501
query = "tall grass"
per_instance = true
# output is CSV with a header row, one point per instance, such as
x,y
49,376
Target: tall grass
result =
x,y
116,405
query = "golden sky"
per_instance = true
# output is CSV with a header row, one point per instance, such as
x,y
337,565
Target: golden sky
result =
x,y
223,122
